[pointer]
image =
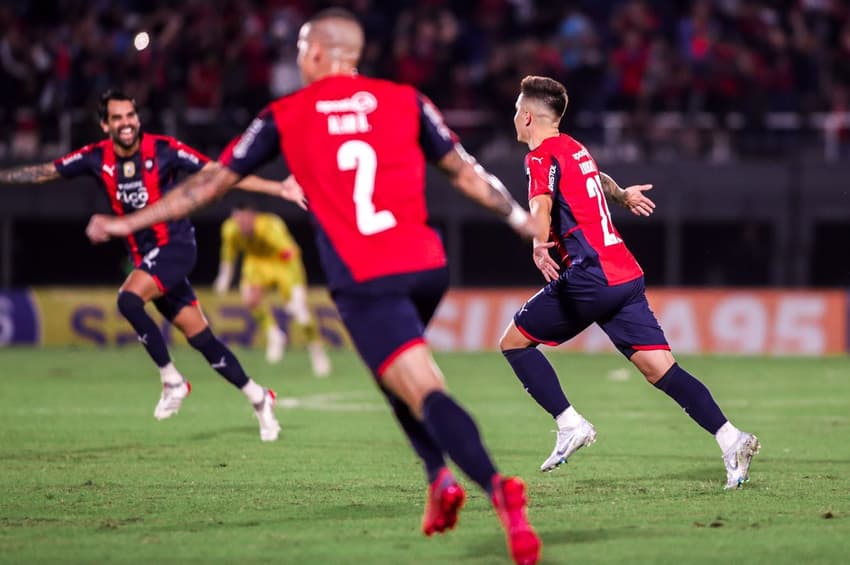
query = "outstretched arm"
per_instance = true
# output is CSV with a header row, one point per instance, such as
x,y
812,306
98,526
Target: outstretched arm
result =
x,y
468,176
193,193
288,189
31,174
631,198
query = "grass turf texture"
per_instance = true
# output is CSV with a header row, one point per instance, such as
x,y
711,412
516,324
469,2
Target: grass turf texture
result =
x,y
89,476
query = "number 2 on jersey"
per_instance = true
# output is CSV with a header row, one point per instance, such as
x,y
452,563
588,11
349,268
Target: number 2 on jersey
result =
x,y
594,190
356,155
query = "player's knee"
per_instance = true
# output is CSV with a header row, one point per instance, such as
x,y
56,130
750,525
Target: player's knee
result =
x,y
129,303
653,364
512,339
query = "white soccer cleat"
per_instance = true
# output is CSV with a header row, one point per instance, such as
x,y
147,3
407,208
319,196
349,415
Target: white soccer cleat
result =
x,y
171,398
568,442
738,459
275,344
319,359
264,410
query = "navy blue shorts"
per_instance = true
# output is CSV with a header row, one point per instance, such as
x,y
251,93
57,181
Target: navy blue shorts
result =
x,y
565,307
387,315
169,266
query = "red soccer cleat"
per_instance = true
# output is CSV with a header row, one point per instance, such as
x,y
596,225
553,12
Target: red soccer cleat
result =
x,y
445,498
510,501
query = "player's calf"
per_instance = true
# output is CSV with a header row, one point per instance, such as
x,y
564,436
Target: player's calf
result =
x,y
132,307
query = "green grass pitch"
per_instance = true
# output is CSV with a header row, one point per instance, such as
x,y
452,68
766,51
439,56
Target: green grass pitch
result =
x,y
88,476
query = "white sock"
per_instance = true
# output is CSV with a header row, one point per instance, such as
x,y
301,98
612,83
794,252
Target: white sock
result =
x,y
254,392
568,419
169,375
726,436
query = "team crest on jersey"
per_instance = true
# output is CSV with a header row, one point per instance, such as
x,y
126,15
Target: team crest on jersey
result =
x,y
129,169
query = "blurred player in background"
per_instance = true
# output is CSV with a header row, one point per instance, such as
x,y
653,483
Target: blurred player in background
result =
x,y
136,169
601,283
270,259
358,147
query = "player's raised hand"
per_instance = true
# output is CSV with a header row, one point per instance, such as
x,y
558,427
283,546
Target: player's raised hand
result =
x,y
544,262
292,191
636,202
102,228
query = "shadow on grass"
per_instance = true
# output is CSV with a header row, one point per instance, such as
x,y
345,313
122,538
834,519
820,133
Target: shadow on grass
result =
x,y
554,538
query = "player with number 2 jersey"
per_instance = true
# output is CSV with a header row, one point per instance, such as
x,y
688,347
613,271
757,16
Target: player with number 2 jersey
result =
x,y
358,147
365,188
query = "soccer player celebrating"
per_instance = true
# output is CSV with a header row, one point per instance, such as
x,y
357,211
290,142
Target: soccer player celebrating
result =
x,y
270,258
136,169
358,146
597,280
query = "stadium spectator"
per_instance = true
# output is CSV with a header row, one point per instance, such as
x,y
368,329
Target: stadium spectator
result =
x,y
722,66
386,268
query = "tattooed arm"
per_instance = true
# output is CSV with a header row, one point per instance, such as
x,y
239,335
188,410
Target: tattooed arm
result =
x,y
612,190
468,176
32,174
631,198
193,193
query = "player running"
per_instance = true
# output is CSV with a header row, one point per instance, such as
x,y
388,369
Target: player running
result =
x,y
601,282
359,146
270,259
136,169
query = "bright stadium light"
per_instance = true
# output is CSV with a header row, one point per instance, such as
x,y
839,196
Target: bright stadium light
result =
x,y
141,41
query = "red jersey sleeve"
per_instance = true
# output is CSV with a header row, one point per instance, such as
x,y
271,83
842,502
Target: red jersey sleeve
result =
x,y
541,172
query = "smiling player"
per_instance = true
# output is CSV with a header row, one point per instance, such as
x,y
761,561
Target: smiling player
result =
x,y
136,169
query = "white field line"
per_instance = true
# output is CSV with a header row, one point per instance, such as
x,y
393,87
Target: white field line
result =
x,y
333,402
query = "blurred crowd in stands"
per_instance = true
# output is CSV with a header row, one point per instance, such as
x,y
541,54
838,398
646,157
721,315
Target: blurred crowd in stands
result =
x,y
650,79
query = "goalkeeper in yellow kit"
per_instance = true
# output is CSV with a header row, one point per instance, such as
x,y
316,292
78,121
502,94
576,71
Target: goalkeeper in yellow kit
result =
x,y
270,259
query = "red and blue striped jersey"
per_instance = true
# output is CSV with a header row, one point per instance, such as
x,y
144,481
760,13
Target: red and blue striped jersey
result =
x,y
133,182
582,229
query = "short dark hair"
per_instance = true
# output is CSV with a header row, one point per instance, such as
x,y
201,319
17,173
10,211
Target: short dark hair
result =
x,y
334,13
547,90
103,103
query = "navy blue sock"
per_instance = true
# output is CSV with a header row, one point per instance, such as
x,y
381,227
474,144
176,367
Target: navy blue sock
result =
x,y
456,434
132,307
539,378
693,396
219,357
420,439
